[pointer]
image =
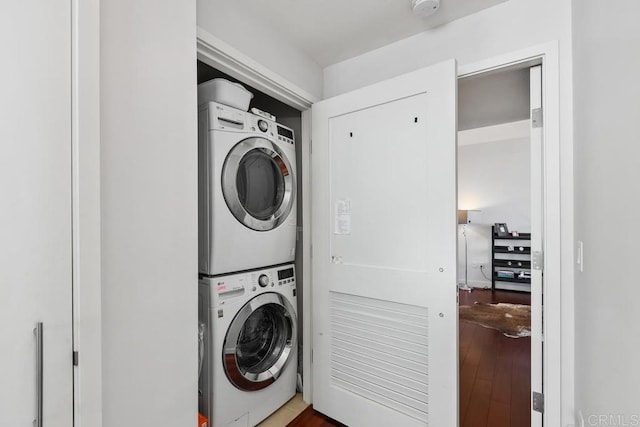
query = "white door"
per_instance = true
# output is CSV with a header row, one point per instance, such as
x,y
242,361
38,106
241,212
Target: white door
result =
x,y
383,212
535,74
35,219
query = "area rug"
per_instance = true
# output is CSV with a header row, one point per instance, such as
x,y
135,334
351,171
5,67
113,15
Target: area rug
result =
x,y
513,320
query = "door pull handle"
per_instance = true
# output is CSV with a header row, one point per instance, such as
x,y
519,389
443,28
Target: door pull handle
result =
x,y
38,331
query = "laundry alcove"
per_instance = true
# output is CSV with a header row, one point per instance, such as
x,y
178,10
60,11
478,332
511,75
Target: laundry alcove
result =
x,y
292,118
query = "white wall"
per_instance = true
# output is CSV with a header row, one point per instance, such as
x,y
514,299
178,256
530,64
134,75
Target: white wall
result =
x,y
607,108
252,36
493,177
149,212
504,28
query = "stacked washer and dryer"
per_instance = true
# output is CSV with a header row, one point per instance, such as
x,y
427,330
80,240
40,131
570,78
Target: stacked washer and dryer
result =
x,y
247,237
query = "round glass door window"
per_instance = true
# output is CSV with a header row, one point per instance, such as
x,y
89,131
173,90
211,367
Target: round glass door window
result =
x,y
259,342
258,184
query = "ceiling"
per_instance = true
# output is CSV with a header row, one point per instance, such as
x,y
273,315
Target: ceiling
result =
x,y
330,31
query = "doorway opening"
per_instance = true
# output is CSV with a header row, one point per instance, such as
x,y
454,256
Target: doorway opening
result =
x,y
499,200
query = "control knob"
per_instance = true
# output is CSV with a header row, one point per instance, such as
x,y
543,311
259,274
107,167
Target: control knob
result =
x,y
263,280
263,126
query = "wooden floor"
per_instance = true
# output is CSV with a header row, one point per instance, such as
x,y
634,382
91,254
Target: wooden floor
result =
x,y
495,371
495,382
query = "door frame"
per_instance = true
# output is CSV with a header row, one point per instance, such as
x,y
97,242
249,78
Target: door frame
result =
x,y
552,361
220,55
557,358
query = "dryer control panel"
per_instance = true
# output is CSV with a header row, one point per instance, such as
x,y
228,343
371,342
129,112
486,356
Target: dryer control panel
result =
x,y
271,128
223,117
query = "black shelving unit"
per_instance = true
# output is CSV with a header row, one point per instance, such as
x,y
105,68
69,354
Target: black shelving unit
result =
x,y
511,255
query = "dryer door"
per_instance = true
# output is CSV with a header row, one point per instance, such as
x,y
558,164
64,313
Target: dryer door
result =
x,y
259,342
258,184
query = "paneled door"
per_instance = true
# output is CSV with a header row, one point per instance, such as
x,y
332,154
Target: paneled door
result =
x,y
384,295
35,219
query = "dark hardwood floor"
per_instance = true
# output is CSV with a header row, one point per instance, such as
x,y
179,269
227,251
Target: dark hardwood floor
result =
x,y
495,382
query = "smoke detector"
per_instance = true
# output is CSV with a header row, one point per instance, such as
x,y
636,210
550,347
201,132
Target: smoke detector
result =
x,y
425,7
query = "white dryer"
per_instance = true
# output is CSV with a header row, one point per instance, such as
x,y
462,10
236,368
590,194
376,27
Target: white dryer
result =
x,y
250,355
247,191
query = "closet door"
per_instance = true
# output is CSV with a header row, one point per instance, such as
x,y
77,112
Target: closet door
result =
x,y
35,220
383,227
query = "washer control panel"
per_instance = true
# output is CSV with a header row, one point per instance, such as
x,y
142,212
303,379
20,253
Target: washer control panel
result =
x,y
286,276
273,278
243,285
263,280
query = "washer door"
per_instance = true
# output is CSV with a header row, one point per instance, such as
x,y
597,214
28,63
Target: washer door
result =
x,y
258,184
259,342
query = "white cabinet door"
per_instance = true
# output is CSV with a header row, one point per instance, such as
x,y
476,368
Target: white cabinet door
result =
x,y
35,218
384,252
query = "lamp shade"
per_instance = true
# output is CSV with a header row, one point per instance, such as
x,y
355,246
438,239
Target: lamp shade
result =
x,y
463,217
469,216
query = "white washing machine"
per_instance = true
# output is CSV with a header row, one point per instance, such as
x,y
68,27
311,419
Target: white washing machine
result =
x,y
250,350
247,191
